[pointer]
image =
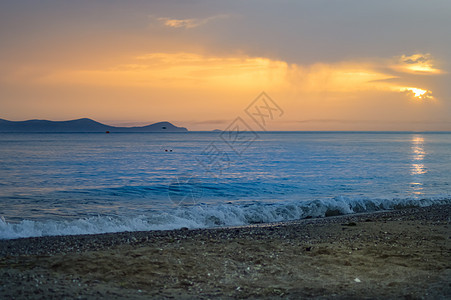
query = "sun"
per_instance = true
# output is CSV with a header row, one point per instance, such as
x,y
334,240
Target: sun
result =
x,y
417,92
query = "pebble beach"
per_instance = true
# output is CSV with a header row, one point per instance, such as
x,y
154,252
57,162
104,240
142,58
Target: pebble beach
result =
x,y
392,254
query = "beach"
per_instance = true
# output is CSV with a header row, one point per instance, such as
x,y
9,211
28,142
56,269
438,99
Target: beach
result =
x,y
401,253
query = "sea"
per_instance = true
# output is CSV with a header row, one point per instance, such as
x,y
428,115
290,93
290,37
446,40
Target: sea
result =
x,y
89,183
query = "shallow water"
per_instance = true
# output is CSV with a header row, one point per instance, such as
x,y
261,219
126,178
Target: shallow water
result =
x,y
54,184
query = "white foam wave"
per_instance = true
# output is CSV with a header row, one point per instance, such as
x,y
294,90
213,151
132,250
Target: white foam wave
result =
x,y
203,216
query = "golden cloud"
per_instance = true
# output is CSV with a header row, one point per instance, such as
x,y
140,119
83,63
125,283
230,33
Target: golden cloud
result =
x,y
191,71
180,70
417,64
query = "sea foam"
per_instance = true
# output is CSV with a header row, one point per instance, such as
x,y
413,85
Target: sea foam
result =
x,y
206,216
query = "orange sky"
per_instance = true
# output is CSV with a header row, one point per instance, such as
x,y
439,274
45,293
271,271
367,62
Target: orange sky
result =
x,y
151,62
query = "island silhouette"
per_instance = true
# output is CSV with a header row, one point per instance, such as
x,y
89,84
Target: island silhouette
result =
x,y
81,125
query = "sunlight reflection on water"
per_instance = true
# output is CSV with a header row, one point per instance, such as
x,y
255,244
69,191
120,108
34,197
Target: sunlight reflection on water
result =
x,y
417,168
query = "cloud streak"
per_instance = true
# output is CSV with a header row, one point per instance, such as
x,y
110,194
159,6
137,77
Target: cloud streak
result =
x,y
189,23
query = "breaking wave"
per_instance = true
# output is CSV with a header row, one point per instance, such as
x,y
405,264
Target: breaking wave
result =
x,y
206,216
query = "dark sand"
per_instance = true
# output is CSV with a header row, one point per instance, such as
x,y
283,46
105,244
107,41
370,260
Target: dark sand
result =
x,y
398,254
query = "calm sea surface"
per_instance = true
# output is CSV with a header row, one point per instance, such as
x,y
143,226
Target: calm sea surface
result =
x,y
52,184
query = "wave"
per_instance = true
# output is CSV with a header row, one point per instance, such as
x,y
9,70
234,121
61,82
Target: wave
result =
x,y
206,216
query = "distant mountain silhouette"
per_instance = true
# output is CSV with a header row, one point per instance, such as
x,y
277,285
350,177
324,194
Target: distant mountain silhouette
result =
x,y
81,125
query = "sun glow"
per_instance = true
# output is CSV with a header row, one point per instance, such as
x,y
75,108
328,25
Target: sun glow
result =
x,y
417,92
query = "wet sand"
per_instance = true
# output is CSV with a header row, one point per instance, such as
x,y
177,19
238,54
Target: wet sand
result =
x,y
398,254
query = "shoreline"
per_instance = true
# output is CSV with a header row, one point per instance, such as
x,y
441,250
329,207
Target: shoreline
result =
x,y
128,237
396,253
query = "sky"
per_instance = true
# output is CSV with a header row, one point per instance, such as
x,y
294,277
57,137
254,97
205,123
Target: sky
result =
x,y
327,65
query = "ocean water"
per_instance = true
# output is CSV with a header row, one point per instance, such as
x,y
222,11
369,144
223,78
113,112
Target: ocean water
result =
x,y
61,184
